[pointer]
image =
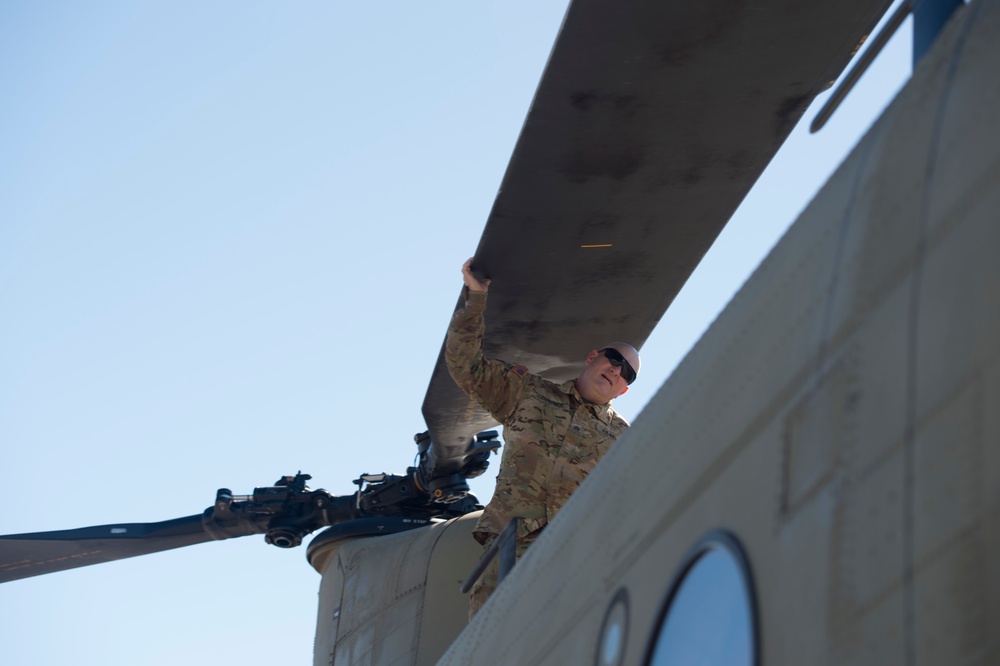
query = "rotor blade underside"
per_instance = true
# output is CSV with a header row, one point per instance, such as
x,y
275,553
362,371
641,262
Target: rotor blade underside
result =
x,y
26,555
651,123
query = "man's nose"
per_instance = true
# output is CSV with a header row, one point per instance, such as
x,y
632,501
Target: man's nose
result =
x,y
616,369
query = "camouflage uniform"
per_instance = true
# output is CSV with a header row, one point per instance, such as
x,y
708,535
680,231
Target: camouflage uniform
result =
x,y
553,437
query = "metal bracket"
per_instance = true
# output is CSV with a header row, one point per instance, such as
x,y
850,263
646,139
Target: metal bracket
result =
x,y
505,545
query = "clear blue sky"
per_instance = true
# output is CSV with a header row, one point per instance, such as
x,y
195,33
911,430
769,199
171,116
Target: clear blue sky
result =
x,y
230,240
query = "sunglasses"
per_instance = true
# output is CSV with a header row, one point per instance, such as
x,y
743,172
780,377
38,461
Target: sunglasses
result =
x,y
618,361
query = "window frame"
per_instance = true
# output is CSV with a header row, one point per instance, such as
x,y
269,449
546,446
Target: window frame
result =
x,y
717,539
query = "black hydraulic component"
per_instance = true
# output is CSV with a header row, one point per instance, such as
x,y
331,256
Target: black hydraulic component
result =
x,y
449,488
284,512
423,440
446,480
478,454
386,490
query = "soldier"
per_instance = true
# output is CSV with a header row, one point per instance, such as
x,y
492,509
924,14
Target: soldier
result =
x,y
555,433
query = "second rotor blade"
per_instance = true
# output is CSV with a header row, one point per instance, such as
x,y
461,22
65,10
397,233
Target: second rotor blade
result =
x,y
26,555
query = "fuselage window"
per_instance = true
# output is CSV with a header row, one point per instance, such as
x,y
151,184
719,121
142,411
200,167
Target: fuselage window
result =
x,y
709,616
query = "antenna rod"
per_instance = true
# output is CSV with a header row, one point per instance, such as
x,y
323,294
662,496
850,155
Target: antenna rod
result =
x,y
862,65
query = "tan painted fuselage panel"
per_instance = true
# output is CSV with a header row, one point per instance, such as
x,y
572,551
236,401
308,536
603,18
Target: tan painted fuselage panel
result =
x,y
393,599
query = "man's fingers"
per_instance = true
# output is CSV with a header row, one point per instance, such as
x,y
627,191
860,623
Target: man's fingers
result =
x,y
470,280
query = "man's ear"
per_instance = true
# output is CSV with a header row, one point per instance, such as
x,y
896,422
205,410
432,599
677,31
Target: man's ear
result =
x,y
624,391
591,356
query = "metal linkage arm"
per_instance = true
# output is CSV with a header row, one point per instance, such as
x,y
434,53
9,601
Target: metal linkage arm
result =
x,y
504,546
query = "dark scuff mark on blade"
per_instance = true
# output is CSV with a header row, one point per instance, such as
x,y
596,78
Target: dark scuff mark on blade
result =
x,y
589,99
598,228
582,165
737,164
618,155
692,176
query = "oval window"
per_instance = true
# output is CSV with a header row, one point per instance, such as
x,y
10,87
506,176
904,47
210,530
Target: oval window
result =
x,y
709,617
614,631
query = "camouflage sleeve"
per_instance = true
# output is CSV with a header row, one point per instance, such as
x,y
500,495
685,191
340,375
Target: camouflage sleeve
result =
x,y
493,384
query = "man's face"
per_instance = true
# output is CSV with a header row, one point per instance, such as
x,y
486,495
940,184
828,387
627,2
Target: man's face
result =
x,y
600,382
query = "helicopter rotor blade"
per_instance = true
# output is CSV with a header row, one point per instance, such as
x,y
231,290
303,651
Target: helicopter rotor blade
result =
x,y
26,555
650,124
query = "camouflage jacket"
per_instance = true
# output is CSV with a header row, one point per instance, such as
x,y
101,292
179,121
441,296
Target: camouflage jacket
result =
x,y
553,438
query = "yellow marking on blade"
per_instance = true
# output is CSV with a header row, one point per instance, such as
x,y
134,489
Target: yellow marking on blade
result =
x,y
597,245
